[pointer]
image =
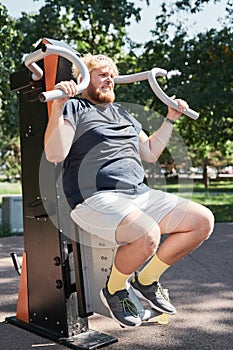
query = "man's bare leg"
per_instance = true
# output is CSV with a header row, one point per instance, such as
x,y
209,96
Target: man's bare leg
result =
x,y
140,236
195,225
188,226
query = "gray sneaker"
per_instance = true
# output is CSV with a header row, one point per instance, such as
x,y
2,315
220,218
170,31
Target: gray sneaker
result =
x,y
121,308
154,295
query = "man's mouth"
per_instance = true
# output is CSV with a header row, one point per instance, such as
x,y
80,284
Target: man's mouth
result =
x,y
106,88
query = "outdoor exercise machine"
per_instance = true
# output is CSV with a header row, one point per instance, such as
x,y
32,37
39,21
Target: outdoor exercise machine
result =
x,y
63,267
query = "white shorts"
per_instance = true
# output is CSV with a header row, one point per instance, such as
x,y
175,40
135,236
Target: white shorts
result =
x,y
101,214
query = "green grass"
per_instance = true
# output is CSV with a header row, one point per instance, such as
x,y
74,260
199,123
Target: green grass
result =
x,y
220,204
197,186
218,197
10,188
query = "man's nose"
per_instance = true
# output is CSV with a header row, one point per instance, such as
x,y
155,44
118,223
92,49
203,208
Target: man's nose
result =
x,y
110,79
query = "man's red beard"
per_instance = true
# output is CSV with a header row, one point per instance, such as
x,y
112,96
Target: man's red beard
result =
x,y
100,97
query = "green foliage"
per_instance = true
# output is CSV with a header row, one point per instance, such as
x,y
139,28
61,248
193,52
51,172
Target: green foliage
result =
x,y
206,82
192,6
205,64
10,60
4,231
204,79
90,26
10,161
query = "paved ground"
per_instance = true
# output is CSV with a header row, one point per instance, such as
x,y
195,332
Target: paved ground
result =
x,y
201,287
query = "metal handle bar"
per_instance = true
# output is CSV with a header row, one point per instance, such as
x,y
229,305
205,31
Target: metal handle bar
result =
x,y
151,76
48,50
131,78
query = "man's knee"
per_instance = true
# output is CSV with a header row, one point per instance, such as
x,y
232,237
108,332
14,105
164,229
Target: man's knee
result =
x,y
149,241
206,223
139,228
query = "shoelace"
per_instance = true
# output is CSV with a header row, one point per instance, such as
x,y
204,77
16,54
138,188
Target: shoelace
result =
x,y
162,292
128,305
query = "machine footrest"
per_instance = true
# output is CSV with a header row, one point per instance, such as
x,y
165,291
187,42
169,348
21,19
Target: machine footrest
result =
x,y
88,340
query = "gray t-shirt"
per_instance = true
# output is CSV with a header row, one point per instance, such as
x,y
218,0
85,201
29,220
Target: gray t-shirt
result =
x,y
104,155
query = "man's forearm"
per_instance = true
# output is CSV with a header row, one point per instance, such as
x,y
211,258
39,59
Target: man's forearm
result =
x,y
58,135
55,120
159,139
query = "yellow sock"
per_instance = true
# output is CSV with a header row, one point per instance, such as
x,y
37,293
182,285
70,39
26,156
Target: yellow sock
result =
x,y
152,271
117,280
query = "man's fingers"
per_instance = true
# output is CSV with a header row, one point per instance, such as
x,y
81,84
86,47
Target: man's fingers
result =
x,y
69,87
183,105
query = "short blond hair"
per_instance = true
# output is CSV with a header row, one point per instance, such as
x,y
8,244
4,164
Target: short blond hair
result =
x,y
95,61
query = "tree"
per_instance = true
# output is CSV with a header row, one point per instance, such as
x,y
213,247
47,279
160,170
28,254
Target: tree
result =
x,y
9,131
202,74
207,81
203,62
88,25
192,6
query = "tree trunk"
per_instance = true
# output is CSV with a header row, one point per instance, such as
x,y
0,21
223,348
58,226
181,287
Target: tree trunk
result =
x,y
206,180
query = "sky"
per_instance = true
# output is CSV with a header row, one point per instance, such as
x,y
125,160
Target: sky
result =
x,y
208,18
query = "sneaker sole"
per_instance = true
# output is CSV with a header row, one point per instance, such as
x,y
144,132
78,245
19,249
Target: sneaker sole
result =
x,y
104,301
142,297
